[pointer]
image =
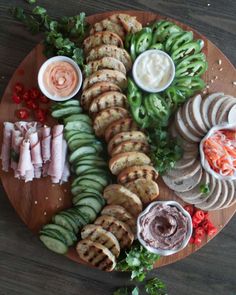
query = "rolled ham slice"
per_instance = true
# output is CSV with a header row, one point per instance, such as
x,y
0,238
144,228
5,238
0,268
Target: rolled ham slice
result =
x,y
56,164
36,154
16,141
46,144
6,146
65,172
25,166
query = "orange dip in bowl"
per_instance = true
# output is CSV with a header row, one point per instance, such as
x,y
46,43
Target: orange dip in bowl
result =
x,y
60,78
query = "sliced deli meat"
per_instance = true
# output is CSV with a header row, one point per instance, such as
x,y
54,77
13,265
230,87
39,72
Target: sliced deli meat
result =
x,y
36,156
16,142
25,166
6,146
214,108
46,143
224,110
195,114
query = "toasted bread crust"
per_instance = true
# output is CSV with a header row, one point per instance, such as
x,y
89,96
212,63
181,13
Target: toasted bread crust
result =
x,y
122,125
135,172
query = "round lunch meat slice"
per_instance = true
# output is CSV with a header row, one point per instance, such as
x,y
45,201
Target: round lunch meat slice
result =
x,y
222,198
184,162
232,115
195,114
231,193
186,173
223,112
183,185
205,104
214,108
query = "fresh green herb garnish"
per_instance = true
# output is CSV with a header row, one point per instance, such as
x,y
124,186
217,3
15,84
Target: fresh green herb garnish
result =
x,y
205,188
155,287
165,151
138,260
62,37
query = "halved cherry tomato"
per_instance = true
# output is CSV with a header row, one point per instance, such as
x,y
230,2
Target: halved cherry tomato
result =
x,y
199,214
40,115
34,93
197,241
196,220
32,105
205,225
43,99
211,230
189,209
22,114
18,88
26,95
200,232
195,224
16,98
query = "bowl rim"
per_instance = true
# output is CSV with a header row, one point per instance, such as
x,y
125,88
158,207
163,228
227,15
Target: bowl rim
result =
x,y
149,89
43,68
163,252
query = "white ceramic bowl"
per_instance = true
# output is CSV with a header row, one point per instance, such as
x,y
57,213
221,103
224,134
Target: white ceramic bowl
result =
x,y
42,70
153,89
204,162
161,251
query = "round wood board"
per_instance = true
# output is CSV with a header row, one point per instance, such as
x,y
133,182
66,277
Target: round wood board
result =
x,y
36,202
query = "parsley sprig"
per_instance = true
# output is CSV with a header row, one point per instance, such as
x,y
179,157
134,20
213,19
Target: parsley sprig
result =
x,y
62,37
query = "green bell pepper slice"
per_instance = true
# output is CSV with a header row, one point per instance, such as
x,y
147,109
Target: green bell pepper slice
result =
x,y
186,50
192,58
170,40
192,69
186,37
143,40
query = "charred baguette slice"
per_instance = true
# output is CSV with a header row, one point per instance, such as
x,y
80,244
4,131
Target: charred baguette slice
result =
x,y
137,136
124,160
118,228
129,23
108,25
120,213
146,189
104,118
116,194
96,254
102,38
135,172
109,63
110,76
97,89
107,100
122,125
130,146
110,51
97,234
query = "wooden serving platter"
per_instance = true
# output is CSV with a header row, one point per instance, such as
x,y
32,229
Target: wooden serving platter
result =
x,y
37,201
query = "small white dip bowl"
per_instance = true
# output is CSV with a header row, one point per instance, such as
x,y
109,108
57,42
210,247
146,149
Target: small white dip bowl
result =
x,y
41,75
137,65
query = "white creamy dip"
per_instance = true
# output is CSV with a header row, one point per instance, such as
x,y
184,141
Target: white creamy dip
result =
x,y
154,70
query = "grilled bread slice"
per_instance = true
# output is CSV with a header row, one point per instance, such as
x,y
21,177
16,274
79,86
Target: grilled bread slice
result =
x,y
104,118
135,172
102,38
97,89
106,62
124,160
108,25
137,136
122,125
129,23
111,51
146,189
130,146
107,100
117,194
121,214
111,76
118,228
97,234
96,254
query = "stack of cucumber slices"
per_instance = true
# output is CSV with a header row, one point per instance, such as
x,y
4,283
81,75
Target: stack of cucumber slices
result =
x,y
92,176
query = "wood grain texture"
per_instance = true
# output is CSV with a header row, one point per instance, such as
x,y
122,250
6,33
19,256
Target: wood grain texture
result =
x,y
24,262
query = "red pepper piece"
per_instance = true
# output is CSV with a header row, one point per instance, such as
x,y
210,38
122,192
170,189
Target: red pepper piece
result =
x,y
199,214
26,95
197,241
16,98
22,114
200,232
191,241
212,230
18,88
189,209
34,93
43,99
32,105
195,224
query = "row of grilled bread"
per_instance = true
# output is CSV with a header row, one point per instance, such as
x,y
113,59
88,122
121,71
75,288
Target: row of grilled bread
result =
x,y
102,97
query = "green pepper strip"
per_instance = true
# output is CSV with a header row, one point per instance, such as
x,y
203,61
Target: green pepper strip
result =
x,y
185,38
186,50
193,69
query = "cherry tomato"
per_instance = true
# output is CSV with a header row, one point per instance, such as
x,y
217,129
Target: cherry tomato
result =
x,y
191,241
18,88
22,114
43,99
197,241
34,93
40,115
195,224
26,95
32,105
189,209
199,214
200,232
195,219
16,98
211,230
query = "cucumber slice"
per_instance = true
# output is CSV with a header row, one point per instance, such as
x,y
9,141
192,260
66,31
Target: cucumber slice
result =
x,y
60,220
53,244
75,144
67,234
69,134
88,183
78,126
100,179
82,169
53,234
98,146
83,218
78,117
77,189
93,163
75,135
70,219
101,200
91,202
87,211
60,113
71,102
91,157
99,171
84,150
79,222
